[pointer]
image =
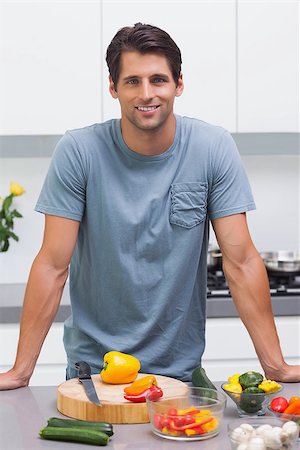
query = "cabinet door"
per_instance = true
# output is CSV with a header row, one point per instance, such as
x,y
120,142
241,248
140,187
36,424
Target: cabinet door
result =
x,y
268,66
229,348
205,33
50,78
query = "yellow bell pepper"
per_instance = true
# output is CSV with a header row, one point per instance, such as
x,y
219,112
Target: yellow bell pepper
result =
x,y
119,368
269,386
210,426
233,387
190,432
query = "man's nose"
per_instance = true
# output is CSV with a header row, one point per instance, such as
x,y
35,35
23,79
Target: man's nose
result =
x,y
146,90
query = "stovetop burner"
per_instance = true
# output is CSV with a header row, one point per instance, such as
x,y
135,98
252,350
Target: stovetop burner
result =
x,y
281,283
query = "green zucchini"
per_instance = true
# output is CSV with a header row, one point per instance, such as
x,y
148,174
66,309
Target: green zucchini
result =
x,y
105,427
83,435
200,379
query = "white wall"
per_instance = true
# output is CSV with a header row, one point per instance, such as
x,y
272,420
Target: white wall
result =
x,y
274,225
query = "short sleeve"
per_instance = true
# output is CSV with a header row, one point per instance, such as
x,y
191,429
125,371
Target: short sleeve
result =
x,y
63,191
230,191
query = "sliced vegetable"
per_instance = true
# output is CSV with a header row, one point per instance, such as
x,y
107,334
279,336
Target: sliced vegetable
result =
x,y
83,435
191,421
104,427
140,385
153,392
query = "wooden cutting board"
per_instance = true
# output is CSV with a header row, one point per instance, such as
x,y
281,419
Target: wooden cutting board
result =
x,y
73,402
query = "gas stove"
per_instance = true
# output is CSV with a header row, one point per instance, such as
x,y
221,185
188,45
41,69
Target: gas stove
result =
x,y
281,284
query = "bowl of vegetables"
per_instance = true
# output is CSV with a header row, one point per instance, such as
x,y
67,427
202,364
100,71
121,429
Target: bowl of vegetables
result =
x,y
261,433
251,392
197,415
286,409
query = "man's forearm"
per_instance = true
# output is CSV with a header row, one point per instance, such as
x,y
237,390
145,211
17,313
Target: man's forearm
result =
x,y
42,298
249,287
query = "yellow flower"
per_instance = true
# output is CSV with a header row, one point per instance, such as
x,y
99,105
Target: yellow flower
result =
x,y
16,189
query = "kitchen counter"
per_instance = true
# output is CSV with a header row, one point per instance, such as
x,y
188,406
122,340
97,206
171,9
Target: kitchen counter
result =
x,y
23,412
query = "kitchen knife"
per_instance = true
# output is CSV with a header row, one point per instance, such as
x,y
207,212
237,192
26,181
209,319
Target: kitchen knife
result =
x,y
84,376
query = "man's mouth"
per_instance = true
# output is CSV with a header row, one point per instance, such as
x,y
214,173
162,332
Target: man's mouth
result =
x,y
147,108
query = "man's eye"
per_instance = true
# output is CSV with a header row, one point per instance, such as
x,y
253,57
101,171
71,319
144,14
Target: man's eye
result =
x,y
132,81
159,80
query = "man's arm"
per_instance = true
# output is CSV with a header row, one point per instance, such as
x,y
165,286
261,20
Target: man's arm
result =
x,y
44,289
249,286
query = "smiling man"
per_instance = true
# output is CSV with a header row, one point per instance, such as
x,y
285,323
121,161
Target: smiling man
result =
x,y
146,91
127,206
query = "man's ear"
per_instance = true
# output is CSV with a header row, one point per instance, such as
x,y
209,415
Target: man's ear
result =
x,y
180,86
112,89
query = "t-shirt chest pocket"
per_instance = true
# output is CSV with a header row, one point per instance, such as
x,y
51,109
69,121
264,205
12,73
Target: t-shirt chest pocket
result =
x,y
188,204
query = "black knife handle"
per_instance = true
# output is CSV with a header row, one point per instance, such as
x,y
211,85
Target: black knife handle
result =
x,y
84,370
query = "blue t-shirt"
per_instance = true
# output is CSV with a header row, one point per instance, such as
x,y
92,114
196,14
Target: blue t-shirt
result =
x,y
138,272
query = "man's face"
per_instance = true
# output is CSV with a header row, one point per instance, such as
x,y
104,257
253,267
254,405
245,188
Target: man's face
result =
x,y
146,90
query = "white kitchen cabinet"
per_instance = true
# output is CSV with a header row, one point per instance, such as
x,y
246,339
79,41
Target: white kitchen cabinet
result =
x,y
50,78
268,66
229,348
205,32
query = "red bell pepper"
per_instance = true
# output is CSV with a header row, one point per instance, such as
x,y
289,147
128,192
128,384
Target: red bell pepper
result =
x,y
153,392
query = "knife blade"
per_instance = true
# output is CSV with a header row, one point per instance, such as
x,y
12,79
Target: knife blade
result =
x,y
84,376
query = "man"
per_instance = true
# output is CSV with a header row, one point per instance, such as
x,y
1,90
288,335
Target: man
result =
x,y
128,203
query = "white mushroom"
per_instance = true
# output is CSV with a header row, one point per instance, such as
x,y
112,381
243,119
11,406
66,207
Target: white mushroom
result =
x,y
242,447
291,429
247,428
273,438
260,431
256,443
239,435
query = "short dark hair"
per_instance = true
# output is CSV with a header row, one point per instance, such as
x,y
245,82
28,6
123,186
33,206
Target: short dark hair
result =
x,y
143,38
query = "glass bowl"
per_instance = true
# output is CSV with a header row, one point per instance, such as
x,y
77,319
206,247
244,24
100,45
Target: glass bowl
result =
x,y
256,433
286,417
249,404
197,415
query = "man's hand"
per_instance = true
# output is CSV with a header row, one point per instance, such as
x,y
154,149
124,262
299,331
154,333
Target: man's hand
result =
x,y
11,380
286,373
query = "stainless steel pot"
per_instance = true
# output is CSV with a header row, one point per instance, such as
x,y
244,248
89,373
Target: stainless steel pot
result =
x,y
214,258
282,261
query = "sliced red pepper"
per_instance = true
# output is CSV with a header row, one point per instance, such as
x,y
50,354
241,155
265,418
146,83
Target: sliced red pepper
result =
x,y
153,392
189,426
172,412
